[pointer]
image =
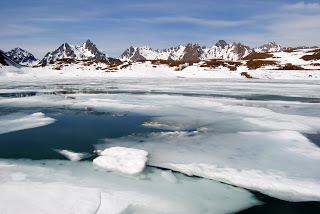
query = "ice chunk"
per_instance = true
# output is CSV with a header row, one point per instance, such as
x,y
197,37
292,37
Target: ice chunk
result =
x,y
16,122
73,156
120,159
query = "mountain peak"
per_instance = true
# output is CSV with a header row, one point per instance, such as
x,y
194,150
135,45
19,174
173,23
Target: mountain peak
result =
x,y
86,51
221,43
21,56
269,47
88,43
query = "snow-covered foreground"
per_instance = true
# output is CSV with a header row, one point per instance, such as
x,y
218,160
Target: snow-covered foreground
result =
x,y
251,134
76,187
148,70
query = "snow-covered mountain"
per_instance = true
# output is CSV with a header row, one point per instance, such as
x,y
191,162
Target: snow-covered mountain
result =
x,y
147,53
21,56
86,51
6,61
223,50
269,47
190,52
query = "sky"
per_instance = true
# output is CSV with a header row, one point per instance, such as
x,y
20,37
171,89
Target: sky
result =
x,y
39,26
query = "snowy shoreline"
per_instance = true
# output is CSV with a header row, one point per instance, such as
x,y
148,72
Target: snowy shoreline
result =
x,y
146,70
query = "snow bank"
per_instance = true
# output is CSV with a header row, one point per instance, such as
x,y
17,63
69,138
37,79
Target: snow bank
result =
x,y
123,160
16,122
148,70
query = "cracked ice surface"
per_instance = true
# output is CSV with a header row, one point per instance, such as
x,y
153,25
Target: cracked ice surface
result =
x,y
76,187
249,134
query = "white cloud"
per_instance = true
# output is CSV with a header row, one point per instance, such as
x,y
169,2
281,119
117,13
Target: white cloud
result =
x,y
196,21
302,6
20,30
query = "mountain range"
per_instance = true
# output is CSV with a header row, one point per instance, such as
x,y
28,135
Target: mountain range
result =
x,y
188,53
87,53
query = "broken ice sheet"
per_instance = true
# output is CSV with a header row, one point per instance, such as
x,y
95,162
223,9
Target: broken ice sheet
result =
x,y
42,183
282,164
15,122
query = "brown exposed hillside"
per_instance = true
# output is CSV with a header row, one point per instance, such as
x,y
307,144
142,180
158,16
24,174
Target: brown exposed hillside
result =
x,y
289,66
255,55
255,64
314,56
171,63
214,63
289,50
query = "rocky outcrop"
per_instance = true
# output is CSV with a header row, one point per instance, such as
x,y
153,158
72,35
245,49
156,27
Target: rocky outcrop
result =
x,y
221,44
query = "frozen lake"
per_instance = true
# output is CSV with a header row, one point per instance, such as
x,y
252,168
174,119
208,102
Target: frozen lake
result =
x,y
215,145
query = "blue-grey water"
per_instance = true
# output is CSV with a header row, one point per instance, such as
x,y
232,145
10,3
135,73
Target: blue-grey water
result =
x,y
75,130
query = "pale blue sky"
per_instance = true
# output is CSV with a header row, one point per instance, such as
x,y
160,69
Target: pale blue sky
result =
x,y
42,25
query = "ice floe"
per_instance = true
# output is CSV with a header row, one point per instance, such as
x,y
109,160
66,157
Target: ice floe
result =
x,y
124,160
16,122
282,164
245,133
71,155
